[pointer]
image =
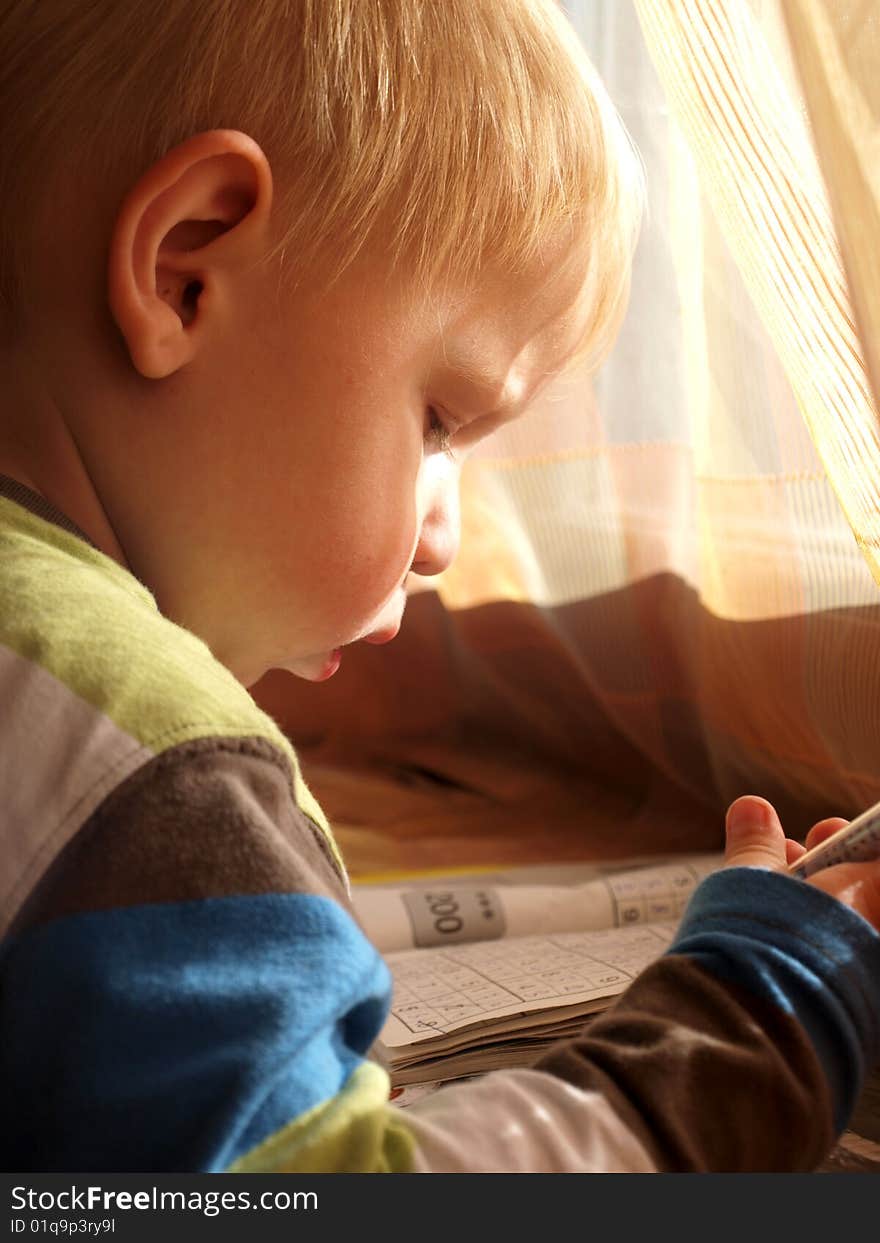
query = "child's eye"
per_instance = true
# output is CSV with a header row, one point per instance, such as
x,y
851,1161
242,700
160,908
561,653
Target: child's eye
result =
x,y
438,434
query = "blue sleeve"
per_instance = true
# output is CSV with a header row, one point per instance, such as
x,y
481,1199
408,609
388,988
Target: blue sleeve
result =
x,y
179,1035
784,940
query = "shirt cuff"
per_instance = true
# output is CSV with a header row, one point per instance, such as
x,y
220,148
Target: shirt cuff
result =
x,y
783,940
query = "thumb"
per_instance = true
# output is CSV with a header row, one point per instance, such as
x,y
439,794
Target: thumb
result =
x,y
755,837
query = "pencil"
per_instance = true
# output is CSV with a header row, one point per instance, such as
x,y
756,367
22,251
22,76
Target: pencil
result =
x,y
856,842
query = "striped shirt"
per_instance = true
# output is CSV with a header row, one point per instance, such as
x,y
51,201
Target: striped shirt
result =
x,y
184,986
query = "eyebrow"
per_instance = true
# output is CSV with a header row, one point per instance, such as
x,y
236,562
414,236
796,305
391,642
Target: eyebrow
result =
x,y
468,367
491,384
471,369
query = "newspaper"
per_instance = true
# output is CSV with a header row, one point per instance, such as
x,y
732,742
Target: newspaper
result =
x,y
489,975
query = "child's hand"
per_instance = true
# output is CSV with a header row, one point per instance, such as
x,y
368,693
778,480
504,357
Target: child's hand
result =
x,y
755,838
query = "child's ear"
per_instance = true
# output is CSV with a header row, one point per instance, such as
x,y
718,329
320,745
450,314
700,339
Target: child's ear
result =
x,y
192,221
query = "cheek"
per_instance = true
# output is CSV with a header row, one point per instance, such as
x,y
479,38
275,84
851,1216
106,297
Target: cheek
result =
x,y
366,558
386,541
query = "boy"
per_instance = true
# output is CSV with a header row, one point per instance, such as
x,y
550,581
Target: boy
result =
x,y
269,271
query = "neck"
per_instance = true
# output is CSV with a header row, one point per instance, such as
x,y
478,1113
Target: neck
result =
x,y
39,450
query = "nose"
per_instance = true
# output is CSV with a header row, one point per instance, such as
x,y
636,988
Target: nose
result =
x,y
440,533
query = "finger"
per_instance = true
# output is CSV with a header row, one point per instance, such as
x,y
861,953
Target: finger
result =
x,y
856,884
819,832
793,850
754,835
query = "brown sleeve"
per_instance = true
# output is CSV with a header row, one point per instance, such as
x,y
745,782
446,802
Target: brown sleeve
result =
x,y
210,818
709,1078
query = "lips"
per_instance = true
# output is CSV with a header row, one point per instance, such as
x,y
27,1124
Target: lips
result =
x,y
331,664
385,635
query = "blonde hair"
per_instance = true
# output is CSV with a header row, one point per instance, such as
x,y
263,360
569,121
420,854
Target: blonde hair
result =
x,y
459,132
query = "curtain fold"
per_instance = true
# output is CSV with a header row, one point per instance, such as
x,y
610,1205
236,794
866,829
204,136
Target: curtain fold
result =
x,y
836,48
761,175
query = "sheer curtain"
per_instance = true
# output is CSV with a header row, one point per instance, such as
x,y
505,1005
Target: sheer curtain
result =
x,y
837,51
665,595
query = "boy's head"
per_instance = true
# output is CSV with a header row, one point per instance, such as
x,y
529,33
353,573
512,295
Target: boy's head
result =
x,y
262,259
